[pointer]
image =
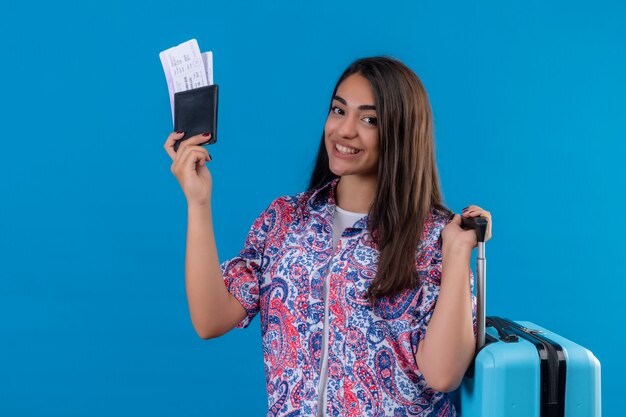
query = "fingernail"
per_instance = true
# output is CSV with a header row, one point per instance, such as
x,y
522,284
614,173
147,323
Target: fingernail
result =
x,y
179,132
206,134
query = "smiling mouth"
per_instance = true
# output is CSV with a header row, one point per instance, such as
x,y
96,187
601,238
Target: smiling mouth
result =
x,y
346,150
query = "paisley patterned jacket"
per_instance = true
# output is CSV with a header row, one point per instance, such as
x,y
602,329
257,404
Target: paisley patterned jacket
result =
x,y
371,349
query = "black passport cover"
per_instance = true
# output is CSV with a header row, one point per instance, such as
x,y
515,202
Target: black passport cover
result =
x,y
195,112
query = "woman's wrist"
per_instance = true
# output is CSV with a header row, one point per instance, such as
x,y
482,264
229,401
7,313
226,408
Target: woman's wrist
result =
x,y
456,249
456,253
455,263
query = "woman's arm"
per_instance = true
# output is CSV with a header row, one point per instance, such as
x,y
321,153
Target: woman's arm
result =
x,y
449,345
214,311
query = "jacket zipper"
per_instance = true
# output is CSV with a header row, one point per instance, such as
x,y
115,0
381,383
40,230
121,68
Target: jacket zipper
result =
x,y
321,409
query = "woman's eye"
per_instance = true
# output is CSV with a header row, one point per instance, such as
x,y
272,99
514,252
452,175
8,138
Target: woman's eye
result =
x,y
336,110
371,120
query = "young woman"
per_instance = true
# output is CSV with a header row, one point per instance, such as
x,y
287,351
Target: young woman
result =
x,y
363,281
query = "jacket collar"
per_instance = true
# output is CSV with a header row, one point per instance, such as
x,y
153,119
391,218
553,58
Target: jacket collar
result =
x,y
323,200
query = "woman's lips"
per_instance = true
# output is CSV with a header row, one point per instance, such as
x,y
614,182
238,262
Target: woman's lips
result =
x,y
346,156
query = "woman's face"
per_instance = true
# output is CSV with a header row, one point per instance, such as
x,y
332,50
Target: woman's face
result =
x,y
351,131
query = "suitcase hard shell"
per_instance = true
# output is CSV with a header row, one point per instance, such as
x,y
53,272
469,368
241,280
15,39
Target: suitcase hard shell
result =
x,y
507,380
522,369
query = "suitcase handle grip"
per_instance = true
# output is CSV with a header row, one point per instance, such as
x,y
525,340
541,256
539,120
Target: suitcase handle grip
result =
x,y
478,223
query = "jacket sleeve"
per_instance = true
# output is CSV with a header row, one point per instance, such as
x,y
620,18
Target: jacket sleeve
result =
x,y
243,273
430,277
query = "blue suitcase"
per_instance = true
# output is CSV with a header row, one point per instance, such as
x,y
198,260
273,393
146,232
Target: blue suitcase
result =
x,y
522,369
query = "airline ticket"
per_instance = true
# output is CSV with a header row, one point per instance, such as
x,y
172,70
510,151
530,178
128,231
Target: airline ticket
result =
x,y
186,68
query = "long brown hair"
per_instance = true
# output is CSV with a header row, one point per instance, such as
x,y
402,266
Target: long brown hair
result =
x,y
408,183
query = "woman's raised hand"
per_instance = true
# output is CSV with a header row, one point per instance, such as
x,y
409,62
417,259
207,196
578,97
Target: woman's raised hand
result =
x,y
453,235
189,167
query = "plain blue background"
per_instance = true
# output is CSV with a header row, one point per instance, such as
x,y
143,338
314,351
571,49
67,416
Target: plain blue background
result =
x,y
528,99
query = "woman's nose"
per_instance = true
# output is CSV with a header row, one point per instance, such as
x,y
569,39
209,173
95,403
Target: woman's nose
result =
x,y
347,128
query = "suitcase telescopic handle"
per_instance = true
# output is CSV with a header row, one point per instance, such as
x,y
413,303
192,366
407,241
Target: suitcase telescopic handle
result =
x,y
480,225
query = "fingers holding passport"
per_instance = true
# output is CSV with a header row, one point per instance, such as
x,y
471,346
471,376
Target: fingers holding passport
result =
x,y
194,140
169,143
189,155
189,166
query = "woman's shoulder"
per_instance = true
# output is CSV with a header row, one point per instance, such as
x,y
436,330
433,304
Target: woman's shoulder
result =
x,y
429,249
438,217
288,207
303,202
290,202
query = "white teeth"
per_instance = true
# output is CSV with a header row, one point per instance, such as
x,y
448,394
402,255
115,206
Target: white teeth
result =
x,y
346,150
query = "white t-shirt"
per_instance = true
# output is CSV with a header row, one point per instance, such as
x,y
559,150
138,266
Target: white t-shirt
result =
x,y
343,218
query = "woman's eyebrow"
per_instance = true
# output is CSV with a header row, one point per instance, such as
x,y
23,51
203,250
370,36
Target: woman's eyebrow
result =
x,y
361,107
